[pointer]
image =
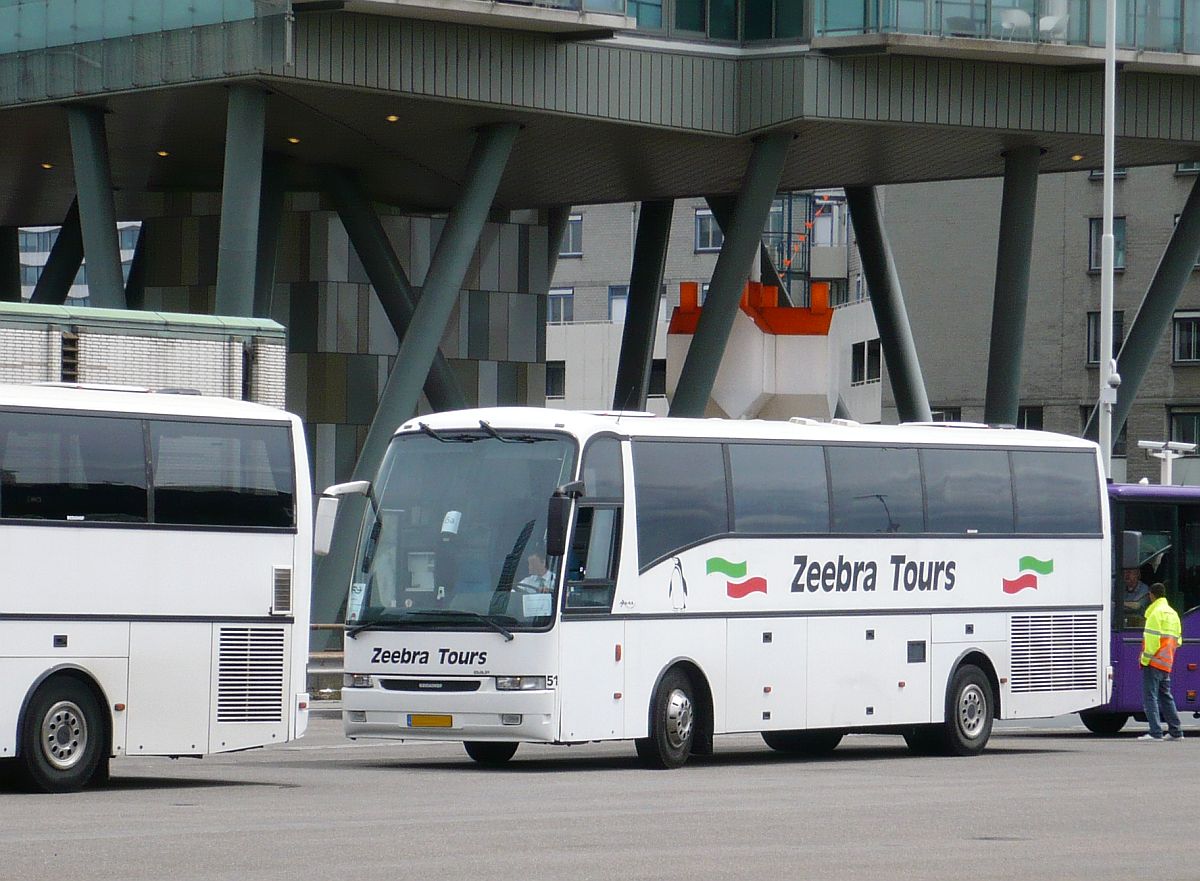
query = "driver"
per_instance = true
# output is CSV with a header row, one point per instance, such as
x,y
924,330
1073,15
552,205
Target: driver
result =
x,y
539,579
1137,592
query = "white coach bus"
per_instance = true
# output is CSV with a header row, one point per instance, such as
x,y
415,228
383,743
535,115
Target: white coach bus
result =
x,y
154,578
553,577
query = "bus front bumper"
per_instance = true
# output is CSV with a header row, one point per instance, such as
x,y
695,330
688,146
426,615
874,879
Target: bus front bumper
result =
x,y
496,716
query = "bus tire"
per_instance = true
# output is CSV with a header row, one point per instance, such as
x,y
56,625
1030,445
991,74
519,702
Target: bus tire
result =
x,y
61,737
487,752
672,723
969,712
803,743
1106,724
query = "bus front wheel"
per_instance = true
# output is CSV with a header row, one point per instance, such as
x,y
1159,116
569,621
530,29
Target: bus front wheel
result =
x,y
1104,723
969,712
488,752
672,723
61,737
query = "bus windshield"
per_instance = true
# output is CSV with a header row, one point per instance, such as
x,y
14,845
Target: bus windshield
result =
x,y
458,540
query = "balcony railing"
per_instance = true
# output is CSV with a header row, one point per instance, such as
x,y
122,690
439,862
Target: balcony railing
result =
x,y
1154,25
616,7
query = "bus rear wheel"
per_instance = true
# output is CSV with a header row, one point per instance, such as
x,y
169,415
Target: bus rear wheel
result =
x,y
61,737
969,712
806,743
672,723
1104,723
488,752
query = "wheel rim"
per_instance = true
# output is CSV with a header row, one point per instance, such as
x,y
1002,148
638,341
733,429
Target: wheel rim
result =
x,y
64,735
679,718
972,710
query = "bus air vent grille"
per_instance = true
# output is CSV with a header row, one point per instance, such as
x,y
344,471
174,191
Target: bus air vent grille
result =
x,y
1055,653
251,674
282,604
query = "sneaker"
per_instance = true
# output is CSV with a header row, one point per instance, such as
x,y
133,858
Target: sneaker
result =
x,y
1150,737
1178,736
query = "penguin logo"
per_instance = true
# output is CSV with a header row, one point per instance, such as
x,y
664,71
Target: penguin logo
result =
x,y
677,590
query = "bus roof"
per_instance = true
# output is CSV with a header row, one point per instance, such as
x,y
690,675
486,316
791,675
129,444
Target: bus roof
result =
x,y
1152,492
116,399
584,424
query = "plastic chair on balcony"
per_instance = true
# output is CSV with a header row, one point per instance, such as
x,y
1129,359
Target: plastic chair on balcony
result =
x,y
1053,28
1014,22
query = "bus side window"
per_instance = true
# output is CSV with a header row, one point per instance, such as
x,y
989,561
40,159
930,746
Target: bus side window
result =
x,y
592,558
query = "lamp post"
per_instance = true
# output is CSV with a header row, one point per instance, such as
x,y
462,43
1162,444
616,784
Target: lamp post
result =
x,y
1168,452
1108,375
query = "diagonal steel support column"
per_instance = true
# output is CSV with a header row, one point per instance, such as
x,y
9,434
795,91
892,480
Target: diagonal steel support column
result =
x,y
97,214
418,350
241,193
62,265
10,265
388,278
135,285
1014,251
722,210
1153,318
641,312
270,217
887,302
556,227
743,240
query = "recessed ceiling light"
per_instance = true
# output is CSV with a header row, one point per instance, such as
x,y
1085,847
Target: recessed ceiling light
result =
x,y
162,153
293,140
1077,157
393,118
47,165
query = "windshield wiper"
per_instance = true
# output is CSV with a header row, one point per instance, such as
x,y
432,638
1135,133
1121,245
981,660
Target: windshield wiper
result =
x,y
514,439
462,438
489,620
377,624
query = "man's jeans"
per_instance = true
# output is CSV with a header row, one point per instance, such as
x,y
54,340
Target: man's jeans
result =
x,y
1156,697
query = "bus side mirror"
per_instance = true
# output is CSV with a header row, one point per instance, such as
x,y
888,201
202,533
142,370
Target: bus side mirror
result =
x,y
1131,547
559,515
327,512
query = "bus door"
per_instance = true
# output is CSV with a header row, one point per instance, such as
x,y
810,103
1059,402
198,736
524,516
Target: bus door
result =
x,y
1184,596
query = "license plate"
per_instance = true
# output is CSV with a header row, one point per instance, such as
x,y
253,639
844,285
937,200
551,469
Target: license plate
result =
x,y
430,720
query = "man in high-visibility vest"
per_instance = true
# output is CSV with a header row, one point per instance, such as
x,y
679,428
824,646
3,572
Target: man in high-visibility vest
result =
x,y
1160,638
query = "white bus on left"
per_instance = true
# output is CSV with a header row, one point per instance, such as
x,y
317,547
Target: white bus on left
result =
x,y
155,572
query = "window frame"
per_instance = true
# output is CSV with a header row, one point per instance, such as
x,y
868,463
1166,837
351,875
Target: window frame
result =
x,y
564,298
715,233
1095,243
572,237
1092,335
1181,316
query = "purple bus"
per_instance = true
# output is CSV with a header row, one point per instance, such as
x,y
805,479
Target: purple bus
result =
x,y
1168,518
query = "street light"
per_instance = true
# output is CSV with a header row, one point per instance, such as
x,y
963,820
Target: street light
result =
x,y
1168,452
1108,389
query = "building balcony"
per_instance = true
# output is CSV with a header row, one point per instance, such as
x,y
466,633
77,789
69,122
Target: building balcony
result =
x,y
583,17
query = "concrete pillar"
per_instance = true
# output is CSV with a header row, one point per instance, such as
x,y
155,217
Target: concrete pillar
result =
x,y
743,239
1014,252
556,227
768,272
388,278
62,265
241,192
270,217
418,349
97,214
10,265
1154,316
887,302
135,285
641,309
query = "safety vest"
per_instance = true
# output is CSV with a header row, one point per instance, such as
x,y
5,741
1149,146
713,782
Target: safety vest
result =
x,y
1161,637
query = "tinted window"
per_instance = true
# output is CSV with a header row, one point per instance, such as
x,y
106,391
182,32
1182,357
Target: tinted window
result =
x,y
968,490
875,489
602,474
680,495
1057,491
66,467
216,474
778,488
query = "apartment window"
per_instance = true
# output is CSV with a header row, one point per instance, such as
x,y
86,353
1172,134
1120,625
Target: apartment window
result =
x,y
839,292
689,15
947,414
1096,232
708,233
1093,335
1195,265
647,13
1186,347
1029,417
658,378
30,274
865,362
1185,424
572,244
618,298
1098,173
128,236
560,306
703,293
556,379
1187,167
36,241
1085,413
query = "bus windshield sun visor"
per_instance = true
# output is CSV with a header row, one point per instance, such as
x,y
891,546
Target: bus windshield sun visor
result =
x,y
433,616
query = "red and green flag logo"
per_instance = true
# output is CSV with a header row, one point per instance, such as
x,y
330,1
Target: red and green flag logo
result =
x,y
1031,568
740,587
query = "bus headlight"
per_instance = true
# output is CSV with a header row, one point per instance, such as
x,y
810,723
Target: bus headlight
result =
x,y
356,680
520,683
